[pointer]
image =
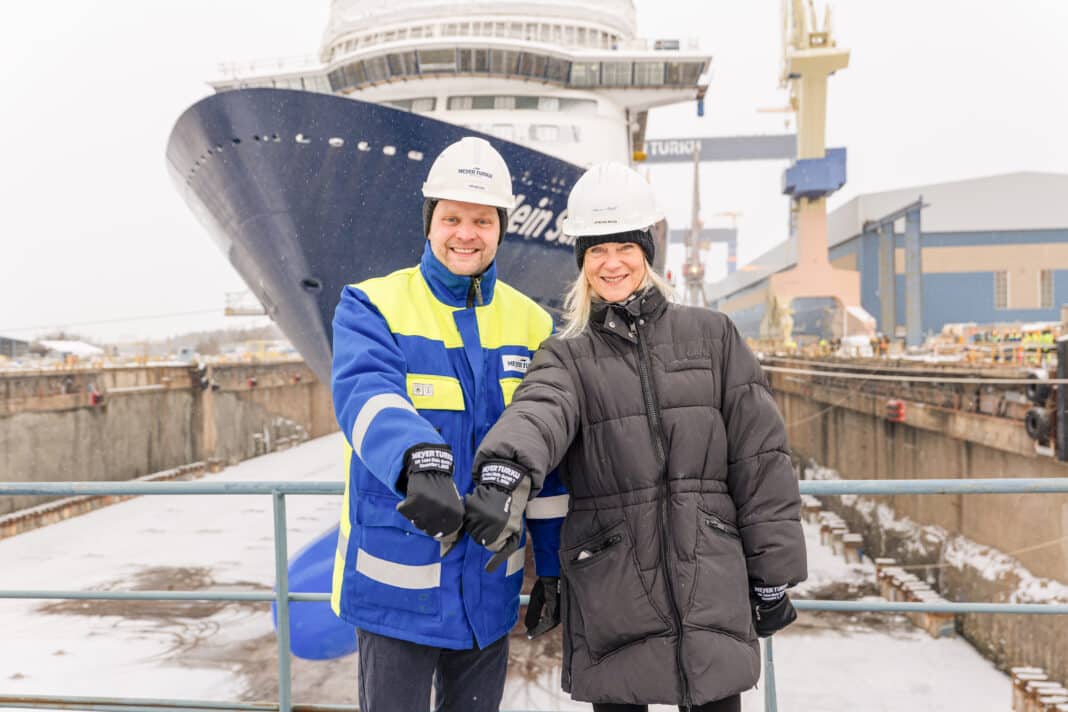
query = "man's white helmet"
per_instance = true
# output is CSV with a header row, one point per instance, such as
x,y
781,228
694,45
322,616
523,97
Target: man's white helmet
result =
x,y
610,198
470,171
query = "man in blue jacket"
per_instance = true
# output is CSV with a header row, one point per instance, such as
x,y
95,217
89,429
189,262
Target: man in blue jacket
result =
x,y
425,361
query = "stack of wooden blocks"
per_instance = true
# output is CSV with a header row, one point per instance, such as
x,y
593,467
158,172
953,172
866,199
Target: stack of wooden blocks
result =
x,y
1033,691
833,530
895,583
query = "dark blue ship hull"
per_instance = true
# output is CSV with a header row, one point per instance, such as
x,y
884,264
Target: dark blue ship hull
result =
x,y
309,192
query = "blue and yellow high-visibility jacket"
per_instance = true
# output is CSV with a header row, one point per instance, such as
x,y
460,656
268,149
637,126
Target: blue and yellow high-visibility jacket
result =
x,y
417,360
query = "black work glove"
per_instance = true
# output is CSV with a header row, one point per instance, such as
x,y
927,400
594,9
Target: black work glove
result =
x,y
432,502
543,611
493,512
771,614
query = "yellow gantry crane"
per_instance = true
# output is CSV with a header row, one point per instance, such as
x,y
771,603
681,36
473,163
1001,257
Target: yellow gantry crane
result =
x,y
810,56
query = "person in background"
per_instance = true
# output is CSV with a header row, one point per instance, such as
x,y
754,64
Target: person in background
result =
x,y
683,529
425,360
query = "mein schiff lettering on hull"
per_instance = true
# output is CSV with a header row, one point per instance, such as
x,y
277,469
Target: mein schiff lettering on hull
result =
x,y
309,175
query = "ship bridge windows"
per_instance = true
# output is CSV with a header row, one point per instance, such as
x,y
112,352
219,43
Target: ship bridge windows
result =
x,y
502,61
616,74
474,60
377,69
684,73
402,64
511,63
437,60
556,70
532,65
648,74
585,74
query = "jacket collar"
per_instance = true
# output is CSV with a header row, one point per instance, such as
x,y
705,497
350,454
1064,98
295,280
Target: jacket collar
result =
x,y
453,289
620,317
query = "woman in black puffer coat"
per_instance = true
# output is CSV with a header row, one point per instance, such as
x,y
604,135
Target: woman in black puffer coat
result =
x,y
683,529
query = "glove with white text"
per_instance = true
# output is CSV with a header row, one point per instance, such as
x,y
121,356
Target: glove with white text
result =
x,y
772,610
493,512
432,502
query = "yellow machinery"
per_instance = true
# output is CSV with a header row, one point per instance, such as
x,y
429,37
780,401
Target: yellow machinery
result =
x,y
810,56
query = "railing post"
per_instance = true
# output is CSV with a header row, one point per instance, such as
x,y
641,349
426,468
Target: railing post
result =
x,y
770,703
281,577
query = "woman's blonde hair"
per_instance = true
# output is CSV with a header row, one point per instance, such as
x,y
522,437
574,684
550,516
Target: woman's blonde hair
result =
x,y
580,297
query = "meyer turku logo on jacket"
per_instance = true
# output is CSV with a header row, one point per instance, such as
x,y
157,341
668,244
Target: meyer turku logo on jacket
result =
x,y
418,361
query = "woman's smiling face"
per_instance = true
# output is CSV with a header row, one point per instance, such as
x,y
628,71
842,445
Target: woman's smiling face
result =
x,y
614,270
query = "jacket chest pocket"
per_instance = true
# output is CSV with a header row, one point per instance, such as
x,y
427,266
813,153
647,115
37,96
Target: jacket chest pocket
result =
x,y
612,601
720,596
430,392
439,399
689,374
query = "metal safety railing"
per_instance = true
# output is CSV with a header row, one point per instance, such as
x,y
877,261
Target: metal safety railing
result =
x,y
283,596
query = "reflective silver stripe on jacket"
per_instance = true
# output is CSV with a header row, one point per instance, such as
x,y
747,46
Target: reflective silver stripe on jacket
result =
x,y
399,575
342,543
367,414
547,507
516,562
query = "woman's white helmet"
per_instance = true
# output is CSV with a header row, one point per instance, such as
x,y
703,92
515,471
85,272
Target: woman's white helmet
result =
x,y
610,198
470,171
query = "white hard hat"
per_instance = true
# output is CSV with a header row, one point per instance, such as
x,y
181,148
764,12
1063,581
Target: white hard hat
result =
x,y
610,198
470,171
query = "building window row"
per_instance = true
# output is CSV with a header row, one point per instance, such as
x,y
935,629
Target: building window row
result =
x,y
514,64
550,33
1045,290
542,133
522,103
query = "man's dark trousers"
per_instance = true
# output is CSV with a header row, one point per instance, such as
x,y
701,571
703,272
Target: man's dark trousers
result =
x,y
395,676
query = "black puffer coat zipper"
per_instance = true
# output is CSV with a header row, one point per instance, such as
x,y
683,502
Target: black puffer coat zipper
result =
x,y
656,429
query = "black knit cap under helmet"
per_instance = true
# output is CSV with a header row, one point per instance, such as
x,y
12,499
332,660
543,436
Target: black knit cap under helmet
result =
x,y
428,213
643,238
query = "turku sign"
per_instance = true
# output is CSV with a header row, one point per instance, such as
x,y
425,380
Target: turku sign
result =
x,y
722,148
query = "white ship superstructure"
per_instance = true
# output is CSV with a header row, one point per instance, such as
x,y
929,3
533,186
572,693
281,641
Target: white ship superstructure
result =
x,y
571,80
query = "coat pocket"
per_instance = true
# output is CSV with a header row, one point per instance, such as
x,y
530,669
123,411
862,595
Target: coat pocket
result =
x,y
397,566
613,606
720,596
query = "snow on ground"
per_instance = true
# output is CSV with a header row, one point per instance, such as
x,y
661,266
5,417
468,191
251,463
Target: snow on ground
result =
x,y
872,662
156,542
216,651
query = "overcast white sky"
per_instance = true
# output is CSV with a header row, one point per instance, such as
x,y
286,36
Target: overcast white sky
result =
x,y
92,230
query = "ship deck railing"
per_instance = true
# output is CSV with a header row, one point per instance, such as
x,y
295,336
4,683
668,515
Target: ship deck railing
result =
x,y
282,596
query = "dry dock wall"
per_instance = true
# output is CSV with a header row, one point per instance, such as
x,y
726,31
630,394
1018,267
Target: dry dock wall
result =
x,y
115,424
1003,548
